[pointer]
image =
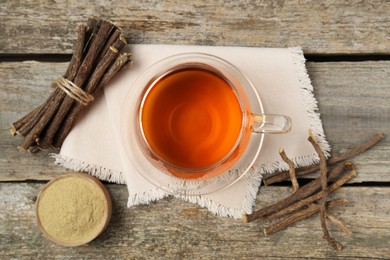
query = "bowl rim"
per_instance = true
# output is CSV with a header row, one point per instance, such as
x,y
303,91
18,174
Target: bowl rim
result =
x,y
107,208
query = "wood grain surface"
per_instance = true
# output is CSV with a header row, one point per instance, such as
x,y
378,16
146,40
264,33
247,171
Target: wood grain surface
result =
x,y
346,121
331,26
183,230
354,101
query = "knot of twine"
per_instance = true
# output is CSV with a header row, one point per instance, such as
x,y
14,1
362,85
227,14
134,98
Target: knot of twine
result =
x,y
73,91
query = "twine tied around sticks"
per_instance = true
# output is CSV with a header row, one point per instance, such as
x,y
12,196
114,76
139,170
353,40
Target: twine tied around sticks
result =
x,y
73,90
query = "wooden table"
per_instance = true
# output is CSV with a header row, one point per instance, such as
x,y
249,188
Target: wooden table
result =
x,y
347,45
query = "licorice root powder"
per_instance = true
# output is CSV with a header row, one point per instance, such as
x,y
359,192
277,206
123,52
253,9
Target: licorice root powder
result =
x,y
72,210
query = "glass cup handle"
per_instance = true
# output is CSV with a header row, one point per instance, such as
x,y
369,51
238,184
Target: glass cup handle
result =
x,y
270,123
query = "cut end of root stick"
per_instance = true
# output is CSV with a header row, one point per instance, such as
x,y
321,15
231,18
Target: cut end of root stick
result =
x,y
342,200
12,130
122,38
312,136
337,246
349,166
245,218
20,148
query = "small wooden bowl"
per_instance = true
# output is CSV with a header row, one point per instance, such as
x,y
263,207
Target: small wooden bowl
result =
x,y
106,200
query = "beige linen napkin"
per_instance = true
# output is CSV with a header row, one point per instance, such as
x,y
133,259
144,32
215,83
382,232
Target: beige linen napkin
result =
x,y
94,144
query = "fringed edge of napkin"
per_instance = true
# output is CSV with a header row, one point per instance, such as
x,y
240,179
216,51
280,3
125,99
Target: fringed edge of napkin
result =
x,y
100,172
253,177
311,106
254,181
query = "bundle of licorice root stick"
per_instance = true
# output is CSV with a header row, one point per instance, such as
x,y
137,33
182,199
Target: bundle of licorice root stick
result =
x,y
98,56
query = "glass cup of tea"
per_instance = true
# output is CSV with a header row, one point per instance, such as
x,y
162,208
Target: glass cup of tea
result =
x,y
193,124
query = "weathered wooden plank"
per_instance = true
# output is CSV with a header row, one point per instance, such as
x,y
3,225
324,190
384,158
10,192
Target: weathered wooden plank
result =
x,y
183,230
319,26
353,100
24,86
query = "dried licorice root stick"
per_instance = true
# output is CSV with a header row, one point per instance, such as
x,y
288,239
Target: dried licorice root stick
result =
x,y
303,192
33,135
120,61
29,125
102,66
88,40
324,184
338,222
82,75
113,38
77,57
93,26
331,161
291,167
303,214
88,69
23,127
22,121
309,200
93,84
32,129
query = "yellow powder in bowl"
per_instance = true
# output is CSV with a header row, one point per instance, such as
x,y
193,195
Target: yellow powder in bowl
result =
x,y
73,209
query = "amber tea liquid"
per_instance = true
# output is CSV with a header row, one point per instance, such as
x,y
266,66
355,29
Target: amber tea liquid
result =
x,y
191,118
